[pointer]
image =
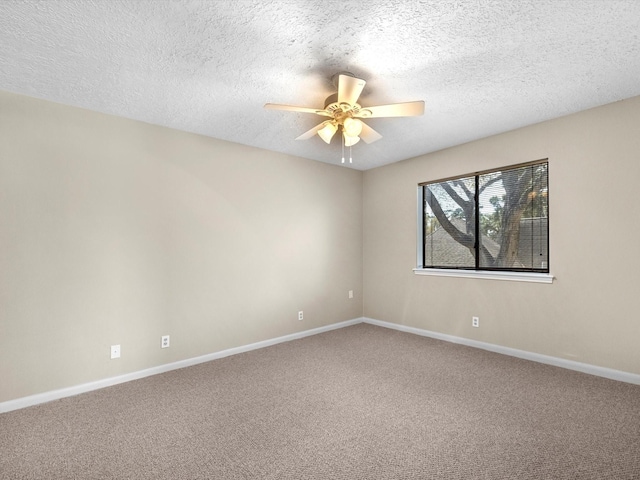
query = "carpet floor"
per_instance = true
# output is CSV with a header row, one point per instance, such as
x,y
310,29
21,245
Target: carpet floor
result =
x,y
361,402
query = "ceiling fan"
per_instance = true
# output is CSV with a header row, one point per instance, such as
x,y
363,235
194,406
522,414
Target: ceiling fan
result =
x,y
345,113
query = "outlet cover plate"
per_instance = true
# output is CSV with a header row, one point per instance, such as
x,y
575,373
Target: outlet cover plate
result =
x,y
115,351
165,341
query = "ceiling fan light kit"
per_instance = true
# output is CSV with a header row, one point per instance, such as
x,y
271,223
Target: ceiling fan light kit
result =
x,y
352,127
345,113
349,141
327,132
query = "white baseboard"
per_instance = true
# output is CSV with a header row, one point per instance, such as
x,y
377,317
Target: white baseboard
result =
x,y
610,373
108,382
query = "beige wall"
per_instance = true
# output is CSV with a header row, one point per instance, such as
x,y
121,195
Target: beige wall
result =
x,y
117,232
591,313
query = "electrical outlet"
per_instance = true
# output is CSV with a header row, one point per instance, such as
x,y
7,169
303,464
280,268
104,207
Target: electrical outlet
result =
x,y
300,315
475,321
165,341
350,293
115,351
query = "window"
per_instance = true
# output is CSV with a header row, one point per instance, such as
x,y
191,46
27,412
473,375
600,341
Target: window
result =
x,y
489,221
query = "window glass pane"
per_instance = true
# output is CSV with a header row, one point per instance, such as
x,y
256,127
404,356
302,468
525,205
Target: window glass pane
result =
x,y
492,198
513,207
508,222
450,223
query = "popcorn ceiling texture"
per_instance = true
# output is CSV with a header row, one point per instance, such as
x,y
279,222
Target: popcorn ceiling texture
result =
x,y
482,67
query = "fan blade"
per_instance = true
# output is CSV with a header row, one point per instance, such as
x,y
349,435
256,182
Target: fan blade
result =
x,y
293,108
349,89
310,133
368,134
407,109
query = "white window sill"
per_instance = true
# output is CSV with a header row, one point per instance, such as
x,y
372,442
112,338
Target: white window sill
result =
x,y
488,275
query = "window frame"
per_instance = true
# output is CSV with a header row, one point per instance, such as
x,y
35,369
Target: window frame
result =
x,y
526,275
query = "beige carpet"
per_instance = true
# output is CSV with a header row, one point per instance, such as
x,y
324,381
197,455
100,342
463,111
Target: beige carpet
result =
x,y
362,402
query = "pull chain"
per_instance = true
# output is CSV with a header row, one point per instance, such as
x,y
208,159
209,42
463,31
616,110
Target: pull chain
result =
x,y
344,138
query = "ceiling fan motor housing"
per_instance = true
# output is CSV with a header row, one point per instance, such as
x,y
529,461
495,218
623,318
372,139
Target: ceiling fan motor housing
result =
x,y
340,111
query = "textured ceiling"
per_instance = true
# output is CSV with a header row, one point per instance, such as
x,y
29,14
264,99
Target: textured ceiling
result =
x,y
206,66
